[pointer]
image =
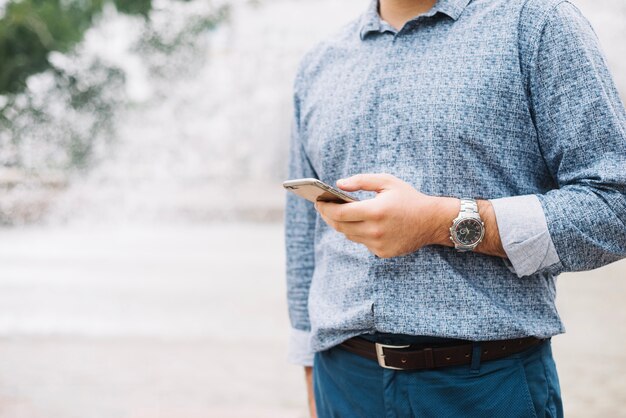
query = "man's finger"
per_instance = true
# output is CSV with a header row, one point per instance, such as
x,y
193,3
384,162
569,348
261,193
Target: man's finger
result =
x,y
329,222
348,212
369,182
352,228
357,238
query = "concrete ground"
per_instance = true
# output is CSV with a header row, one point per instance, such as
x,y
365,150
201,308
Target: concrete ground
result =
x,y
191,322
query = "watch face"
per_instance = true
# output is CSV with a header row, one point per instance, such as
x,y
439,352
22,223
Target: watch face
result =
x,y
469,231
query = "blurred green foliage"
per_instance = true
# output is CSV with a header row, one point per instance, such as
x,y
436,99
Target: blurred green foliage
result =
x,y
61,115
31,29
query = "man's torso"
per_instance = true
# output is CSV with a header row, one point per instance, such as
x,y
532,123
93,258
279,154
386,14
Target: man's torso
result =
x,y
442,105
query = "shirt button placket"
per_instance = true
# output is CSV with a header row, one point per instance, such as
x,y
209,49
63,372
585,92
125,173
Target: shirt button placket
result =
x,y
386,102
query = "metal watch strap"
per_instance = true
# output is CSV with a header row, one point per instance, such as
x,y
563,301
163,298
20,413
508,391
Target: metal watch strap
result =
x,y
469,207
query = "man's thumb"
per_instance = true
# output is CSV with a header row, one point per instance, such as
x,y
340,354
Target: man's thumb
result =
x,y
369,182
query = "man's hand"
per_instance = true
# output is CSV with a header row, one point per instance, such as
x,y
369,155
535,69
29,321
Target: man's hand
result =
x,y
308,375
400,219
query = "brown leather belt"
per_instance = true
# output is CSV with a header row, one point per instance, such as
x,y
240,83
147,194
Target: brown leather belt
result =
x,y
406,357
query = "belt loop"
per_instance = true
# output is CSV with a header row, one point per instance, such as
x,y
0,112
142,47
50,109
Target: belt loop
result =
x,y
476,352
429,360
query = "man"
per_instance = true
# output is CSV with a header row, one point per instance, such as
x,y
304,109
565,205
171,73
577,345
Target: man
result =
x,y
502,141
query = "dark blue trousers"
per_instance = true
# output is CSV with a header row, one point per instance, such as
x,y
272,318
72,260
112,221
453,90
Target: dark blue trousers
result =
x,y
521,385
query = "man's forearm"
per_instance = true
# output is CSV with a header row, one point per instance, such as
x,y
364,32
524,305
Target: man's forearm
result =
x,y
400,219
447,208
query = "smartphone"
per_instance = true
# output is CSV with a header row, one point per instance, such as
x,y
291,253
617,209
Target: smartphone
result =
x,y
314,190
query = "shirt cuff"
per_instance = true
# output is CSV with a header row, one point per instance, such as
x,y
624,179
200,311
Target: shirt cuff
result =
x,y
524,234
300,352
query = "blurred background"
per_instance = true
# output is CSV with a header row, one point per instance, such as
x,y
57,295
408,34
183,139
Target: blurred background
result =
x,y
142,147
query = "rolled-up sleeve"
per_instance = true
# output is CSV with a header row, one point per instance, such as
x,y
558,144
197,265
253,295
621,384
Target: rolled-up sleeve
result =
x,y
300,218
581,127
524,234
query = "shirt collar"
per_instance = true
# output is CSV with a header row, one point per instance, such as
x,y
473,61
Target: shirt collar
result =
x,y
371,21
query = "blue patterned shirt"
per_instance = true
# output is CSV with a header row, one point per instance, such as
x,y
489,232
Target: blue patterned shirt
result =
x,y
507,100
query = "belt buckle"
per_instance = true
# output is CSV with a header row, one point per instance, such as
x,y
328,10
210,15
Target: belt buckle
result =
x,y
380,355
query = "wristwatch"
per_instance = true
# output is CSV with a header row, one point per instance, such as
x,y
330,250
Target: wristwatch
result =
x,y
467,230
